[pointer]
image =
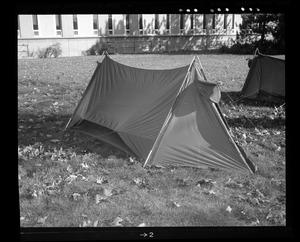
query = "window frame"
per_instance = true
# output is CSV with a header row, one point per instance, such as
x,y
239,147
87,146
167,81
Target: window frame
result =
x,y
168,23
127,24
75,30
58,23
95,30
181,23
35,18
140,24
110,22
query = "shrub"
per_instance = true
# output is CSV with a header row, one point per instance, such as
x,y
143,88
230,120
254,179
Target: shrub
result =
x,y
50,51
96,49
267,47
238,48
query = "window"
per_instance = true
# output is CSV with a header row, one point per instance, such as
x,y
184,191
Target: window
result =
x,y
204,21
214,21
181,23
192,23
168,23
35,25
127,24
110,25
95,24
225,21
58,25
19,32
232,21
141,24
156,23
75,24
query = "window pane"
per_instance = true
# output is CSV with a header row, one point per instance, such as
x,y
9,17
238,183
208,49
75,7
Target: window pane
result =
x,y
75,23
127,21
58,21
204,21
140,21
110,21
156,22
225,21
181,21
95,21
168,21
35,22
192,21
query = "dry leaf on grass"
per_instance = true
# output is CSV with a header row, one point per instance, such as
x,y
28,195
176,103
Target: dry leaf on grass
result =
x,y
75,196
96,223
106,193
100,198
101,180
117,222
42,220
228,209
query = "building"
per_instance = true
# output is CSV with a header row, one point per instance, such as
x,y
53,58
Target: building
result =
x,y
125,33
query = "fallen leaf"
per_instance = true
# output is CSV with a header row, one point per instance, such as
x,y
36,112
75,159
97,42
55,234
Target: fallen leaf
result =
x,y
42,220
107,192
211,192
137,181
228,209
176,204
254,223
117,222
84,165
54,140
96,223
86,223
142,225
131,160
99,198
75,196
101,180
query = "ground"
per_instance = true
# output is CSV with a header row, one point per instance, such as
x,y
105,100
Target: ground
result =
x,y
67,179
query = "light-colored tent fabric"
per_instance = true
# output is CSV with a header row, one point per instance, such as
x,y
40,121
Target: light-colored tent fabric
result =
x,y
166,117
266,76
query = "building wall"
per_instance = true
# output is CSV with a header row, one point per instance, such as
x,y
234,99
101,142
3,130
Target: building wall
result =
x,y
198,38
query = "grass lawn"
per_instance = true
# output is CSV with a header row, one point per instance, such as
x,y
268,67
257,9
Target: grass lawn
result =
x,y
68,179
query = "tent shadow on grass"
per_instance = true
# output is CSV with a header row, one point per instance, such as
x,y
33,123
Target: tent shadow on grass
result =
x,y
50,132
227,97
263,121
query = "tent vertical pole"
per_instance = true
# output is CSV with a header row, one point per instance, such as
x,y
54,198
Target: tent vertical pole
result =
x,y
170,112
201,69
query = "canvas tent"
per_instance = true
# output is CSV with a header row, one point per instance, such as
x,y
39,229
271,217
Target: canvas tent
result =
x,y
265,78
161,116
